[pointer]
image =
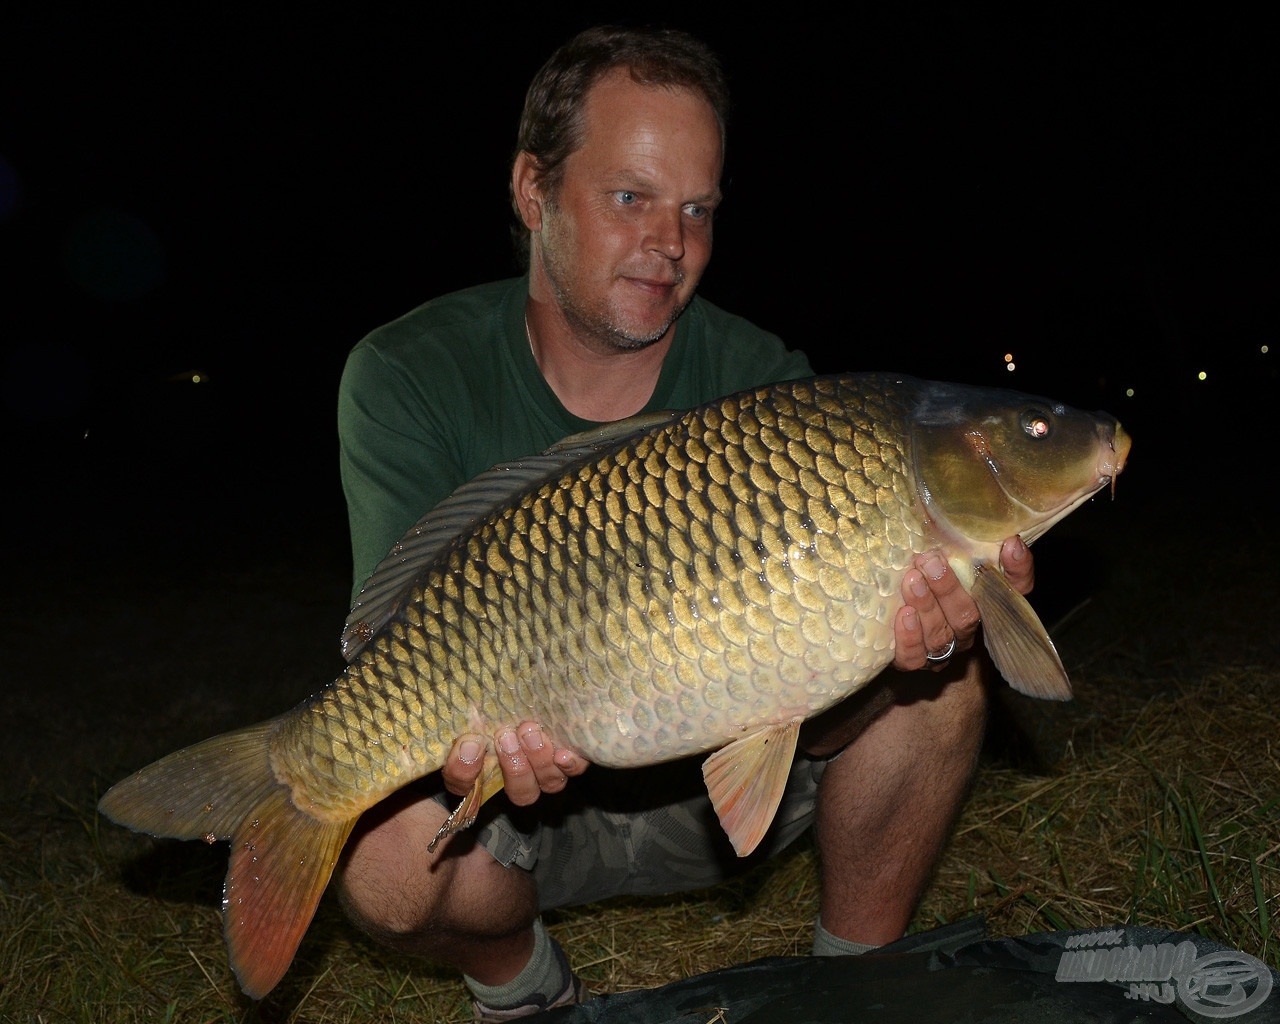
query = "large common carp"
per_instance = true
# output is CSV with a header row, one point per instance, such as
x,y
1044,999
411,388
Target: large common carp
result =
x,y
665,586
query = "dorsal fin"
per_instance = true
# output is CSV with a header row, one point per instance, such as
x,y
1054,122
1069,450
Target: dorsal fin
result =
x,y
431,535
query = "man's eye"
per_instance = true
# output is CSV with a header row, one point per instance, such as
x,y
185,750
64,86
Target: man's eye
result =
x,y
698,212
625,198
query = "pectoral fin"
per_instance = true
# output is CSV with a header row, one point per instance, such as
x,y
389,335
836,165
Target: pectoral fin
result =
x,y
487,783
1016,639
746,780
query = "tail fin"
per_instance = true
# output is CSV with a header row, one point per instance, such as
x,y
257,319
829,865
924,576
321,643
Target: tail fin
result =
x,y
281,857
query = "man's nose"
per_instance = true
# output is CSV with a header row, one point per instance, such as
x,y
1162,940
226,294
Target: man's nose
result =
x,y
665,234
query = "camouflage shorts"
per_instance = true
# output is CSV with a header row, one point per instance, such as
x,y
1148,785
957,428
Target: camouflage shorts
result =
x,y
641,832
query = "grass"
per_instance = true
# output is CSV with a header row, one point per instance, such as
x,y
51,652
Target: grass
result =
x,y
1169,831
1166,830
1155,798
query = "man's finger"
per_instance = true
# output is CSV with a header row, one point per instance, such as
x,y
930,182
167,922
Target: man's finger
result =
x,y
463,764
541,756
959,614
1019,566
909,649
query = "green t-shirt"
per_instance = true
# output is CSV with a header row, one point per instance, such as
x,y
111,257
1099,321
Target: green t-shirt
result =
x,y
450,389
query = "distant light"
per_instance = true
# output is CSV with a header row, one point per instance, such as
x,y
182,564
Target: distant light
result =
x,y
196,378
1265,349
1010,367
1128,392
1202,375
1008,357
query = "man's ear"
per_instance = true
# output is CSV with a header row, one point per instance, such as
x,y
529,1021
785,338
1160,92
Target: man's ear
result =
x,y
525,187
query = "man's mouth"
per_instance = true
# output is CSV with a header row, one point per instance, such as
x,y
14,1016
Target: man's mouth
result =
x,y
655,282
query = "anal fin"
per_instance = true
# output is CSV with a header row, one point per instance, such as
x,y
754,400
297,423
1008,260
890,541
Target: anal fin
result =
x,y
487,783
1017,640
746,780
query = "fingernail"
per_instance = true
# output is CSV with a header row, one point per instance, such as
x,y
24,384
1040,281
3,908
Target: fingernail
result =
x,y
469,751
1017,549
911,620
918,586
508,742
532,738
934,567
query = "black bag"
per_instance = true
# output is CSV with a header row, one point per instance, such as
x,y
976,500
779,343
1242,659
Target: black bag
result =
x,y
957,974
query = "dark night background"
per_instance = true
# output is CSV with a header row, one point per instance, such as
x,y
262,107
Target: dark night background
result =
x,y
242,197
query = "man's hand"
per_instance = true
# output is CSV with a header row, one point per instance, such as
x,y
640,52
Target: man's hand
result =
x,y
939,610
531,764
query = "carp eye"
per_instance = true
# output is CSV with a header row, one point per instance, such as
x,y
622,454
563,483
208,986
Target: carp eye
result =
x,y
1036,424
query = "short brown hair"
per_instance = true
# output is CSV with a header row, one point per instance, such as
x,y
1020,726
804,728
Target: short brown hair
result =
x,y
551,123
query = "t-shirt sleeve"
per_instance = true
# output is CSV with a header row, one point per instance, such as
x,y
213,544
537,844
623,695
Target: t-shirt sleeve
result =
x,y
397,455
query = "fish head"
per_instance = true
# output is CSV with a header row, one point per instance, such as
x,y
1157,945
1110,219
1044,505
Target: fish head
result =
x,y
991,462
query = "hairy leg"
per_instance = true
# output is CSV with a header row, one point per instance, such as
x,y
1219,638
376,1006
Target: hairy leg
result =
x,y
456,905
887,804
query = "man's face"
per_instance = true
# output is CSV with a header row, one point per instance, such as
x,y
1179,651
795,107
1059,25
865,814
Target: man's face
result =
x,y
627,235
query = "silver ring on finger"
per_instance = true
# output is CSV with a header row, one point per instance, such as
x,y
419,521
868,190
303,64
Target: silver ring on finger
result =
x,y
943,654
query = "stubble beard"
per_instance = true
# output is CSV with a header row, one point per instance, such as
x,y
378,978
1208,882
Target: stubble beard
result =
x,y
604,331
595,324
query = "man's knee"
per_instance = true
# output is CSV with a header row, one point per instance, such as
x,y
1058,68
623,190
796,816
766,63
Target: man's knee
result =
x,y
387,882
965,699
401,894
939,717
946,732
377,913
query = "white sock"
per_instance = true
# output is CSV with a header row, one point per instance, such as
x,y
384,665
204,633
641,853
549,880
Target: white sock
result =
x,y
826,944
545,976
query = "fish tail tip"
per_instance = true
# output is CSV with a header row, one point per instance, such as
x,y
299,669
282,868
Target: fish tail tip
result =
x,y
201,790
281,857
280,865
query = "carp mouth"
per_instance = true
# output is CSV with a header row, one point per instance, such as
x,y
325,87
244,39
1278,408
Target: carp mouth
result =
x,y
1113,453
1119,446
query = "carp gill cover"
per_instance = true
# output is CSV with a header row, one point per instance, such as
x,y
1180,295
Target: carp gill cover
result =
x,y
661,587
